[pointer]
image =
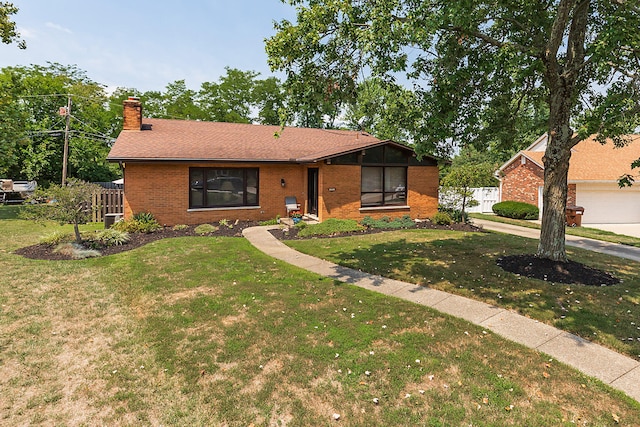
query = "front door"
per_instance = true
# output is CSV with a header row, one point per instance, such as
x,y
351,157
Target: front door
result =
x,y
312,191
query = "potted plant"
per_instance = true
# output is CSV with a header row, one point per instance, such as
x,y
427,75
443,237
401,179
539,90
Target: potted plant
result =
x,y
296,216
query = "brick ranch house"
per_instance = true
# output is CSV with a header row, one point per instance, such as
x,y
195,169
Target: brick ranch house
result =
x,y
191,172
594,170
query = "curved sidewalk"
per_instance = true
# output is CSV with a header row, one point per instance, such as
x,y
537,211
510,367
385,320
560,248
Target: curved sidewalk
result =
x,y
612,368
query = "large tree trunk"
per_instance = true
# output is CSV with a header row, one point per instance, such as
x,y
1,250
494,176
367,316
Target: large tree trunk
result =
x,y
554,196
561,74
556,169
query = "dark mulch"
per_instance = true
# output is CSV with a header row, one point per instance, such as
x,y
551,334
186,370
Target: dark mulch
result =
x,y
524,265
556,272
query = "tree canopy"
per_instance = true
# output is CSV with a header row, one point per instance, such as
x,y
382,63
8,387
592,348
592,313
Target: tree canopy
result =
x,y
32,128
477,68
238,97
8,31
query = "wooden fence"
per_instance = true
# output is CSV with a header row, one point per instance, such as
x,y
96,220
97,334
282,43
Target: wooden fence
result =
x,y
109,201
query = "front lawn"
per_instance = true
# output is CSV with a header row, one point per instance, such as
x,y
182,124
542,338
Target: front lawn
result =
x,y
465,264
210,331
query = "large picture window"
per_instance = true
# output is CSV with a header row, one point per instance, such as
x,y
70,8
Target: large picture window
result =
x,y
383,186
219,188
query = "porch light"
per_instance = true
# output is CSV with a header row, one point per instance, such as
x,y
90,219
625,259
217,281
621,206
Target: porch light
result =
x,y
282,182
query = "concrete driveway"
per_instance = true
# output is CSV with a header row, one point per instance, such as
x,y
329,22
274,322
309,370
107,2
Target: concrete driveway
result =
x,y
625,229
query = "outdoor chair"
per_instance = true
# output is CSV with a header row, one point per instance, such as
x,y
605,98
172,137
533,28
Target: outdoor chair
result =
x,y
291,204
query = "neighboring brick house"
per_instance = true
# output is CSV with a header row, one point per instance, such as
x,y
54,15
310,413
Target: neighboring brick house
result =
x,y
191,172
594,170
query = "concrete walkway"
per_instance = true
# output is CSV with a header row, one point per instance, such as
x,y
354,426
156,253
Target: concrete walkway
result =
x,y
621,251
618,371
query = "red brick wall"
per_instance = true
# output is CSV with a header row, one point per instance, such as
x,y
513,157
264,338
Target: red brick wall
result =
x,y
520,182
162,189
344,202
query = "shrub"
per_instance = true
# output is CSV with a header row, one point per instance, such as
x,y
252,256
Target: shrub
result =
x,y
516,210
126,225
386,222
179,227
56,238
272,221
144,217
329,227
142,222
442,218
225,223
456,214
203,229
111,237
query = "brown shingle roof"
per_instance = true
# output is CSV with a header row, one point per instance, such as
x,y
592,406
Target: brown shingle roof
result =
x,y
592,161
193,140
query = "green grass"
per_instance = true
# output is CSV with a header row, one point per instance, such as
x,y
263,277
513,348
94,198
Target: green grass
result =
x,y
329,227
209,331
591,233
9,211
465,264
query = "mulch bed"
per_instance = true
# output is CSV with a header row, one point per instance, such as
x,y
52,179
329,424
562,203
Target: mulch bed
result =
x,y
292,233
523,265
46,252
556,272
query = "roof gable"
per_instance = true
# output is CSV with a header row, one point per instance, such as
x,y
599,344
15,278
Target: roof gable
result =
x,y
590,160
185,140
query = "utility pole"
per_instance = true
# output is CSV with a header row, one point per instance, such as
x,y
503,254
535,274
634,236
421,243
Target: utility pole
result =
x,y
65,155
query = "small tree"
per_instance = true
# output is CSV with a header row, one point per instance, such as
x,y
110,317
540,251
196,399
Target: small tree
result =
x,y
457,186
69,204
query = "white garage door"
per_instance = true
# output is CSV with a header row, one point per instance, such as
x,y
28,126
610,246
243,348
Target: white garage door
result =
x,y
608,204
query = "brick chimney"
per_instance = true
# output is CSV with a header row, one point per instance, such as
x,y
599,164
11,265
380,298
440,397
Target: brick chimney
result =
x,y
132,112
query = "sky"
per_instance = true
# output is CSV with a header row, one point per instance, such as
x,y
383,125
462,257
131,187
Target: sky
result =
x,y
146,44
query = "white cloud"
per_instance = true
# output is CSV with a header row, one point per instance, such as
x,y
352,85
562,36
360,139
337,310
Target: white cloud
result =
x,y
27,33
58,27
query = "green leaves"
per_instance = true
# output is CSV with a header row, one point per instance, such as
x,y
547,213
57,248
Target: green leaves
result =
x,y
69,204
8,32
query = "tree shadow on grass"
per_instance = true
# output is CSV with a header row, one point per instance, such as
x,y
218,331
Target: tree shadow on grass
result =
x,y
465,265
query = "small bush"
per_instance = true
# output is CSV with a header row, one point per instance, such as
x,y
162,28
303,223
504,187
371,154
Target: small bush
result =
x,y
516,210
56,238
180,227
273,221
126,225
225,223
455,214
442,218
386,222
329,227
203,229
143,222
111,237
144,217
76,251
301,225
